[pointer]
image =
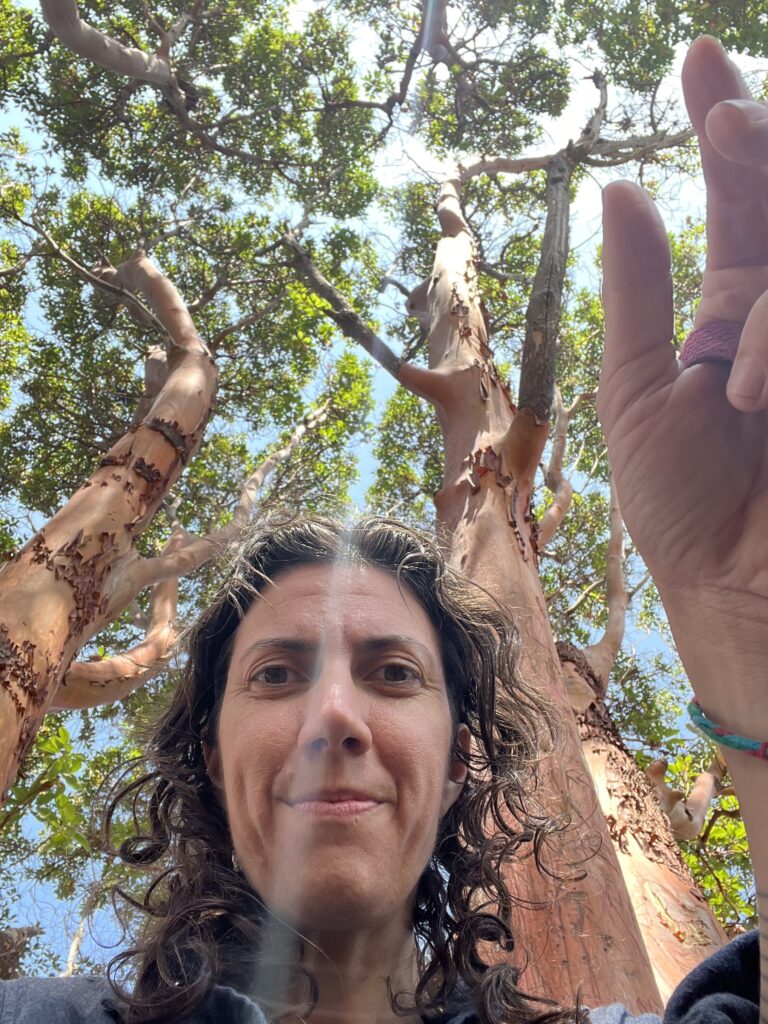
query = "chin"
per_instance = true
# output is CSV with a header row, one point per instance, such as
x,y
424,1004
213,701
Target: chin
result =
x,y
330,901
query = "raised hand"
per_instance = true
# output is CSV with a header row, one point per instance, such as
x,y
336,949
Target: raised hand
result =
x,y
689,447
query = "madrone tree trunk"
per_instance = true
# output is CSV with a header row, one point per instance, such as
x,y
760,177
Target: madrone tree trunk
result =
x,y
576,927
645,818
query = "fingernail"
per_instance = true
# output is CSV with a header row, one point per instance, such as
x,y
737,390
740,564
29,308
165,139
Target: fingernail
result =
x,y
750,110
746,378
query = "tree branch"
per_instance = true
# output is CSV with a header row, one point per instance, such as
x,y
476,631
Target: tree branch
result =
x,y
542,317
553,475
423,382
196,551
494,165
93,683
686,815
611,153
89,905
89,684
602,655
64,20
103,278
246,321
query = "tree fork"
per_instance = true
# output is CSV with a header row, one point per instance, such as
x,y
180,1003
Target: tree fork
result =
x,y
576,927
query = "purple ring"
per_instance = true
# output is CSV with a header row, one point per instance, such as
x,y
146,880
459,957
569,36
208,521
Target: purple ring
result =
x,y
717,341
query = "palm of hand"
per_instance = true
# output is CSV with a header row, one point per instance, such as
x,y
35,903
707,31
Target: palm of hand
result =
x,y
690,461
692,475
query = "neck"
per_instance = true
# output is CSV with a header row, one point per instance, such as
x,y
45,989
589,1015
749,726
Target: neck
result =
x,y
351,969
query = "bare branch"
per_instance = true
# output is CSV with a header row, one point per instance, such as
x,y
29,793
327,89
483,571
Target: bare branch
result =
x,y
173,34
139,273
19,265
388,281
639,586
591,132
88,684
246,321
686,815
89,905
553,475
602,654
611,153
102,277
590,589
64,20
423,382
340,311
493,165
542,317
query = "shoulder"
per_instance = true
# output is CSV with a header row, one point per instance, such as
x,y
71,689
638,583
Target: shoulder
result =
x,y
76,1000
618,1014
80,1000
725,989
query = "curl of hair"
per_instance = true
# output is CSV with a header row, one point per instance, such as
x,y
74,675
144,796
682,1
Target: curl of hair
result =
x,y
205,924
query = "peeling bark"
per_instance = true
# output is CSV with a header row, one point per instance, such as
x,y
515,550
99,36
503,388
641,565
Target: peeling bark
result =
x,y
584,933
91,683
492,451
679,929
88,684
61,587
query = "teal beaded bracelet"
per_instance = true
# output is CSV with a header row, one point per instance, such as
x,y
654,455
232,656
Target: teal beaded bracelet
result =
x,y
727,739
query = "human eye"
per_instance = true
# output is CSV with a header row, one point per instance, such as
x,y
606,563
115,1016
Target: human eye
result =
x,y
273,676
397,673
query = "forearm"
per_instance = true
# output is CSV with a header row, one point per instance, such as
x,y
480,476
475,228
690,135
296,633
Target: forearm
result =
x,y
722,640
750,778
723,644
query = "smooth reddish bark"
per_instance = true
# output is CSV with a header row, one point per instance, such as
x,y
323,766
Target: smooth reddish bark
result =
x,y
66,583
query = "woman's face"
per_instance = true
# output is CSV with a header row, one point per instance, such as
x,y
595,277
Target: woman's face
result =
x,y
334,746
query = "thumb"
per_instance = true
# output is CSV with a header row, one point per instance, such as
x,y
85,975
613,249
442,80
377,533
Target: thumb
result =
x,y
738,129
637,293
748,382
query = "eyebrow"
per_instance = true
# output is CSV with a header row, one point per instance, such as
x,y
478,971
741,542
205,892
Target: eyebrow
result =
x,y
371,645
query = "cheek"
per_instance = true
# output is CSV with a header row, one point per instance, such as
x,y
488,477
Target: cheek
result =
x,y
417,752
253,752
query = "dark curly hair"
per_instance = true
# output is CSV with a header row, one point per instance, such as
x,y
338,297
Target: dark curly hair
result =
x,y
205,922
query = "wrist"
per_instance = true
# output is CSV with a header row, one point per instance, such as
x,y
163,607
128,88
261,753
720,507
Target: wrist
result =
x,y
722,640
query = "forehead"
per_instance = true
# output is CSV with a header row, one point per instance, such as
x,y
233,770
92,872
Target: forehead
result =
x,y
347,601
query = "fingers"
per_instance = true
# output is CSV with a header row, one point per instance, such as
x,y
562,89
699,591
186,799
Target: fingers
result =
x,y
748,383
708,78
718,99
738,131
637,293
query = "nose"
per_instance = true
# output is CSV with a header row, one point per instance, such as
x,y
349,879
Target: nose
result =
x,y
335,719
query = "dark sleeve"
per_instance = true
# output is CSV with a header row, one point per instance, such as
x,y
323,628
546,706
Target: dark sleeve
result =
x,y
725,989
77,1000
